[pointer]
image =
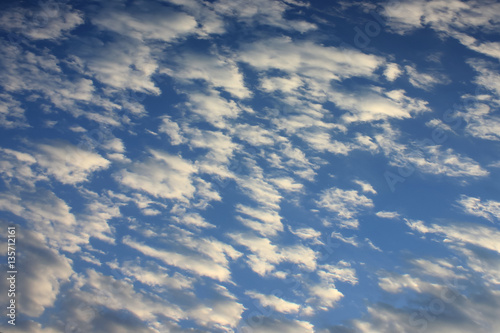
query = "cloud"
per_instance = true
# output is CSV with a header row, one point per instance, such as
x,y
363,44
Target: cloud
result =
x,y
388,215
489,210
437,268
63,227
100,289
457,19
120,64
152,22
392,72
376,104
479,111
39,74
287,183
263,220
345,203
260,324
202,257
254,135
260,190
307,233
193,220
366,187
219,145
42,273
213,108
162,175
322,141
11,112
47,214
342,271
308,59
275,303
427,158
262,12
172,129
47,21
150,273
396,283
69,164
265,255
324,295
348,240
217,70
472,234
424,81
19,167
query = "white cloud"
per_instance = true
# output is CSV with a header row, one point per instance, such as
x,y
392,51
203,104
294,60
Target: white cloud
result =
x,y
121,64
266,255
309,59
205,258
430,159
261,12
260,191
483,263
150,273
438,123
456,19
373,246
220,146
172,129
67,163
194,220
254,135
438,268
322,141
274,302
152,22
461,233
366,187
216,70
325,295
376,104
348,240
392,72
120,294
396,283
307,234
38,74
263,220
345,203
48,215
342,271
19,166
163,176
44,272
287,183
490,209
479,111
447,162
286,84
261,324
388,215
46,21
213,108
11,112
424,80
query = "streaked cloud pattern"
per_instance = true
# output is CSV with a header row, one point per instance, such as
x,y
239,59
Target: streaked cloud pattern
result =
x,y
251,166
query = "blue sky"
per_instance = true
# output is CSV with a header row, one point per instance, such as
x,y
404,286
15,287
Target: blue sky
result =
x,y
251,166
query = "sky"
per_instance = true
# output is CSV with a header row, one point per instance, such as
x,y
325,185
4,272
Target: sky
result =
x,y
250,166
